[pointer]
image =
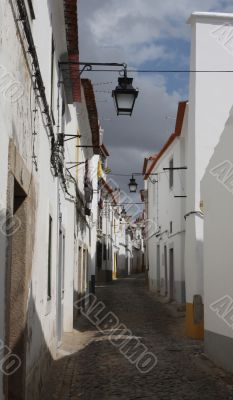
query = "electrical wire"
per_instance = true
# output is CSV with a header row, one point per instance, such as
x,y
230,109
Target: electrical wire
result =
x,y
103,91
102,83
137,174
157,71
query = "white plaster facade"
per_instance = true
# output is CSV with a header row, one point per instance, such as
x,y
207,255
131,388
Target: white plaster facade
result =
x,y
204,141
165,224
210,102
52,223
216,185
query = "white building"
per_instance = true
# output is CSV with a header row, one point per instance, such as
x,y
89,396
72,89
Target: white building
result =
x,y
207,112
137,246
216,121
48,216
114,252
210,102
165,210
112,246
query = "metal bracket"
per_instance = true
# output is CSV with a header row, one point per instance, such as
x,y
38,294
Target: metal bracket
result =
x,y
75,164
153,181
88,66
71,137
88,147
174,168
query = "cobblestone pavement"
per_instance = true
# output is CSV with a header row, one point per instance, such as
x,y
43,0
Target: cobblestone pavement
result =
x,y
91,368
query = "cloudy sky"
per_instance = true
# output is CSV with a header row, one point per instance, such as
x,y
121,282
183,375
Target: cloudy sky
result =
x,y
146,34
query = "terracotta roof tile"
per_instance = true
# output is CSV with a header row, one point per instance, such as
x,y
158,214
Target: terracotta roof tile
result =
x,y
71,21
92,113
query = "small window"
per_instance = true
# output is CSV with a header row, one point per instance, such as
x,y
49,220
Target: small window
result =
x,y
171,228
100,223
171,173
103,163
49,272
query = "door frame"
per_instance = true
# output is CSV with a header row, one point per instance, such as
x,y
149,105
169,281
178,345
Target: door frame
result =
x,y
165,270
171,274
18,264
60,284
158,268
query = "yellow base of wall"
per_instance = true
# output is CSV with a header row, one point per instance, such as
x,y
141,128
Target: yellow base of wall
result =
x,y
194,331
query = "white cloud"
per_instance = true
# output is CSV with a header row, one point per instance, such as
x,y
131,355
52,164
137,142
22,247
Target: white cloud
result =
x,y
142,24
148,52
133,31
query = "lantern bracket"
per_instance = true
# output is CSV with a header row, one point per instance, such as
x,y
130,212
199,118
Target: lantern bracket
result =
x,y
88,66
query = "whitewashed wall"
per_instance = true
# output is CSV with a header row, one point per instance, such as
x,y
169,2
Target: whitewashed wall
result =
x,y
210,102
163,208
16,123
216,186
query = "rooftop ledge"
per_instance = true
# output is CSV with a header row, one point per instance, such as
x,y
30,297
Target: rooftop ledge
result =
x,y
210,15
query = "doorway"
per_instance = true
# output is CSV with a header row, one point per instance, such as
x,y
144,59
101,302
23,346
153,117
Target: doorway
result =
x,y
171,274
114,275
79,271
165,271
60,285
17,289
85,272
158,268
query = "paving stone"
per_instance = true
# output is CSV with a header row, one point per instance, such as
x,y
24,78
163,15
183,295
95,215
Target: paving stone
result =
x,y
95,369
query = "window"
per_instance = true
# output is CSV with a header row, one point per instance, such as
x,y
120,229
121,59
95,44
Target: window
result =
x,y
103,163
31,9
171,227
100,223
171,173
49,272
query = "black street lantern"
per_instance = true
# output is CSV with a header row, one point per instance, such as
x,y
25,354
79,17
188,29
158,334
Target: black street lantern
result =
x,y
133,185
125,96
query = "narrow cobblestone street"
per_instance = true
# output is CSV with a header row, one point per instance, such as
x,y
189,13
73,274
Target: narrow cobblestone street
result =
x,y
90,367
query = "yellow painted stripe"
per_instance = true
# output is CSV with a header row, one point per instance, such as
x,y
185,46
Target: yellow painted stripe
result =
x,y
194,331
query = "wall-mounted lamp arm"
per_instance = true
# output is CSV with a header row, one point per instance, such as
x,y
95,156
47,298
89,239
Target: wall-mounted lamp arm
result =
x,y
88,66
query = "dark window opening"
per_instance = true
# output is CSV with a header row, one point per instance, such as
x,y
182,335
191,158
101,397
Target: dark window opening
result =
x,y
171,173
171,227
100,223
19,196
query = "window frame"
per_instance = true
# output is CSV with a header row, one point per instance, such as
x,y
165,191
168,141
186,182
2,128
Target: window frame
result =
x,y
171,227
171,173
